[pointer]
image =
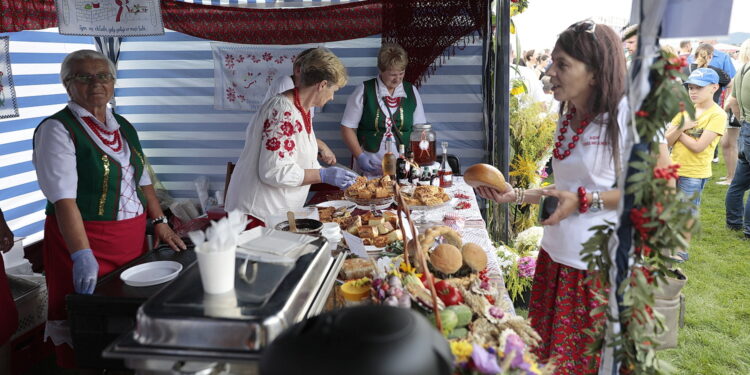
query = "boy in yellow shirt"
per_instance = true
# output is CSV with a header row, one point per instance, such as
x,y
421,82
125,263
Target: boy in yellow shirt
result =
x,y
694,143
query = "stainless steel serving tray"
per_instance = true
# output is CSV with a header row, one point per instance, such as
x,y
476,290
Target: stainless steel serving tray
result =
x,y
181,317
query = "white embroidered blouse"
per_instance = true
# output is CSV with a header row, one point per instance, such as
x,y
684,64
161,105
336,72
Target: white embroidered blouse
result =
x,y
267,180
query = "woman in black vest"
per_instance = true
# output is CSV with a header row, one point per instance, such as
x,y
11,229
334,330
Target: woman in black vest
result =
x,y
91,168
381,108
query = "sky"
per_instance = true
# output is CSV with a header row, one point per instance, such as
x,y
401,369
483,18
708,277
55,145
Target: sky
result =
x,y
539,25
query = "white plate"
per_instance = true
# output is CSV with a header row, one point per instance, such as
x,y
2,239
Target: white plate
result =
x,y
272,241
451,202
151,273
338,204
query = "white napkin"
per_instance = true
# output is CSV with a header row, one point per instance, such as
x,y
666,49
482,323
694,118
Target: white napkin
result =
x,y
222,235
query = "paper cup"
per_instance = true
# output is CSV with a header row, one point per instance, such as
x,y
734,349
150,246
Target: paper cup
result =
x,y
217,270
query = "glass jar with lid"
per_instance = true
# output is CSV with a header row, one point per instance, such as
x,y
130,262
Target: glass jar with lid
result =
x,y
422,142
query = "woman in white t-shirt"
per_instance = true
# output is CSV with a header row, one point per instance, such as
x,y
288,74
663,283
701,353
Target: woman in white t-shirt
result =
x,y
588,78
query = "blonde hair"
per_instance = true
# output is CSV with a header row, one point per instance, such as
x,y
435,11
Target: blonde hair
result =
x,y
745,52
703,55
392,56
669,49
322,65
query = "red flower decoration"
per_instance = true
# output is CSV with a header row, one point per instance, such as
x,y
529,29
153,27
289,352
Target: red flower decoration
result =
x,y
287,114
273,144
289,145
266,124
287,128
281,154
298,126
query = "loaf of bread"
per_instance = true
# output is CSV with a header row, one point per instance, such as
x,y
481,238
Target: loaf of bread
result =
x,y
485,175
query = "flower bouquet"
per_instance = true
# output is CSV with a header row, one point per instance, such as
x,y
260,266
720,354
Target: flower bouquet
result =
x,y
510,357
518,263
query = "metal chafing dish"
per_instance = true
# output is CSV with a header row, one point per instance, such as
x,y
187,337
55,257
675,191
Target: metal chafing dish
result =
x,y
181,325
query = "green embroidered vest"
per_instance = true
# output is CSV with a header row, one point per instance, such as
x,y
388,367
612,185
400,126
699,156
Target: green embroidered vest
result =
x,y
99,175
372,124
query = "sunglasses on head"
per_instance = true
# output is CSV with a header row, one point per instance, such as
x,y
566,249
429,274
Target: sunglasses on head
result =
x,y
89,78
585,26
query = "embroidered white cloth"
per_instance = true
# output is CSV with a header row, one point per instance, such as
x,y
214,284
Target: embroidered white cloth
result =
x,y
116,18
244,74
268,176
54,158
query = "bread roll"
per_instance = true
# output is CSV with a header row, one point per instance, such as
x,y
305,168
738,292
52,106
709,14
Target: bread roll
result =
x,y
474,256
485,175
446,259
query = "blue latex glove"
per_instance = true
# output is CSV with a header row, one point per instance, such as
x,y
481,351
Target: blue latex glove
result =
x,y
85,269
369,163
338,177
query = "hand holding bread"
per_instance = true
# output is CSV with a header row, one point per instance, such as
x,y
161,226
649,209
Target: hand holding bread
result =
x,y
479,175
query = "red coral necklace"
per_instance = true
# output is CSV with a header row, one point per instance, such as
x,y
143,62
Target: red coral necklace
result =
x,y
115,144
558,152
305,114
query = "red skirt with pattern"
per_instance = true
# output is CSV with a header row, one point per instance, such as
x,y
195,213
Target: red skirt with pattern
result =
x,y
559,311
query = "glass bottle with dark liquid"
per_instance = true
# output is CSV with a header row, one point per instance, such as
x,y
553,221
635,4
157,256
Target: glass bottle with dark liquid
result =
x,y
402,167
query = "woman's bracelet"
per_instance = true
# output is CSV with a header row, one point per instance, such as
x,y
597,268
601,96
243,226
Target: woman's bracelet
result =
x,y
583,202
520,193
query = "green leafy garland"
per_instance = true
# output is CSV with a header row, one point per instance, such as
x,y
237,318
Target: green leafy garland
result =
x,y
659,228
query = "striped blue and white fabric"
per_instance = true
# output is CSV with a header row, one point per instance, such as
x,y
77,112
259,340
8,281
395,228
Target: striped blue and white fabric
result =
x,y
35,57
165,88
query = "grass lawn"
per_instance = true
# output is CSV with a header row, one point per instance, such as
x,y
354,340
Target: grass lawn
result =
x,y
716,336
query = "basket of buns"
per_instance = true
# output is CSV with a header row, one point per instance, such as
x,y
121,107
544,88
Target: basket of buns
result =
x,y
375,192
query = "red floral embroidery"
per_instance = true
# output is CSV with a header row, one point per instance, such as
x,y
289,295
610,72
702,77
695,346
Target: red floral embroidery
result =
x,y
273,144
281,154
266,124
267,56
289,145
298,126
287,128
287,114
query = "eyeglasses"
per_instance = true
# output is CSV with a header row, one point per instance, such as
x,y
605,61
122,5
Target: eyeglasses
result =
x,y
585,26
89,78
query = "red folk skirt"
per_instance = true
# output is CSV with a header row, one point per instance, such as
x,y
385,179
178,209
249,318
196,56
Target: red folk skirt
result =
x,y
114,243
9,314
559,310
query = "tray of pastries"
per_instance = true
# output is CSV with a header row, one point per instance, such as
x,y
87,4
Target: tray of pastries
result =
x,y
425,197
375,192
374,230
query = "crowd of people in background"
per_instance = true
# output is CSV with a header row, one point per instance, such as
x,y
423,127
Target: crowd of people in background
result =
x,y
720,121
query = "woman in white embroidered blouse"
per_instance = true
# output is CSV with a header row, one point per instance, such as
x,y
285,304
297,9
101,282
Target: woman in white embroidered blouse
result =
x,y
278,163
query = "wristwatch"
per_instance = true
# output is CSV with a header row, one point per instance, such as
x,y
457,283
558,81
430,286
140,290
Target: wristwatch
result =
x,y
160,220
597,203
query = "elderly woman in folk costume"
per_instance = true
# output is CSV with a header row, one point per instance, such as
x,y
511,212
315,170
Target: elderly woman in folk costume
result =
x,y
381,108
285,83
91,168
278,163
